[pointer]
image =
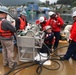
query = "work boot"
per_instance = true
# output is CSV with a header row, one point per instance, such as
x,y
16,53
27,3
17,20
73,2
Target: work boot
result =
x,y
48,62
74,58
41,56
5,65
13,66
62,58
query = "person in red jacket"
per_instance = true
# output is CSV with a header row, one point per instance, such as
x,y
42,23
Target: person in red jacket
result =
x,y
71,52
56,23
41,22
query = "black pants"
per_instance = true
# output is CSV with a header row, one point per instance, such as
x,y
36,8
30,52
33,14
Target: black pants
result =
x,y
71,52
57,37
46,48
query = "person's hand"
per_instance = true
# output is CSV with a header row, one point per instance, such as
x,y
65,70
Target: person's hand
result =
x,y
46,35
70,40
58,23
13,23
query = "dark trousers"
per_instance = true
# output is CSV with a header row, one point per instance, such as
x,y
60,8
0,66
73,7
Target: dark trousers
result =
x,y
71,52
57,37
46,48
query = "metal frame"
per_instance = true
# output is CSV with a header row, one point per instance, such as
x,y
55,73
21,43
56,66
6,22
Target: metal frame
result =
x,y
27,47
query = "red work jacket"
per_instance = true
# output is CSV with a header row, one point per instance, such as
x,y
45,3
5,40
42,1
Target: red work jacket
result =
x,y
56,24
73,32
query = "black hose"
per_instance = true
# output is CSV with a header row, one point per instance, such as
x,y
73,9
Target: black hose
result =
x,y
20,68
55,60
58,49
39,68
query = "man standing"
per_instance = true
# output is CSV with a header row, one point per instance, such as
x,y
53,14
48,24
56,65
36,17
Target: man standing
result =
x,y
6,37
56,23
71,52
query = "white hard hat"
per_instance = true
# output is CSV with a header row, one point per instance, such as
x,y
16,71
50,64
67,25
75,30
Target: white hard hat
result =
x,y
41,19
51,13
74,14
47,27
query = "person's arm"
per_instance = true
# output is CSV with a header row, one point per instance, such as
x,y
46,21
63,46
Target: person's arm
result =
x,y
53,41
60,21
17,23
6,25
48,37
26,23
73,32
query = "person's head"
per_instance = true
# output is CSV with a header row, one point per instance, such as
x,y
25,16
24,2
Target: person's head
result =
x,y
3,12
74,16
42,19
23,14
48,29
52,14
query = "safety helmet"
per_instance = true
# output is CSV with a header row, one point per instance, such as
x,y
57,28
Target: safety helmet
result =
x,y
4,9
23,13
51,13
74,14
41,19
47,27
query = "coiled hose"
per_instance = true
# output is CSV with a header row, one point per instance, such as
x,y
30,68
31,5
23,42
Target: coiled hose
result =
x,y
40,63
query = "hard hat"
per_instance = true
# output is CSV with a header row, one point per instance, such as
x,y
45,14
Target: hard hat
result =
x,y
41,19
74,14
23,13
4,9
51,13
47,27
